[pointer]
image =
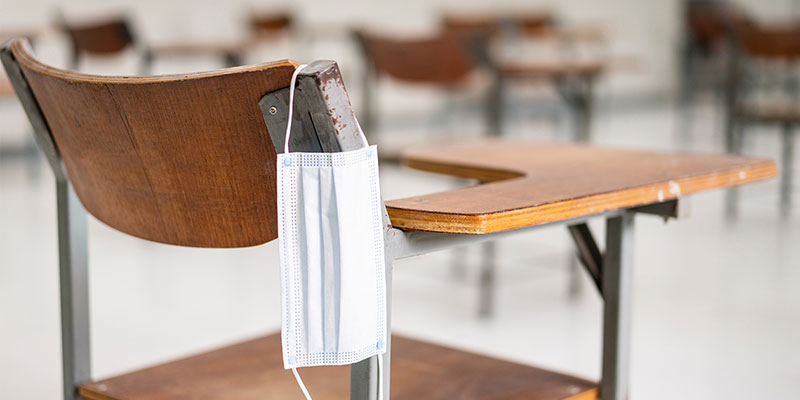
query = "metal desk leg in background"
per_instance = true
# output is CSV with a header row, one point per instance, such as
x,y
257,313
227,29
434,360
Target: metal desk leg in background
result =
x,y
577,92
787,162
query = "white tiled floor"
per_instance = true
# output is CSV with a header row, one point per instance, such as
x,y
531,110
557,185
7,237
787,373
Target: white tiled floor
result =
x,y
717,310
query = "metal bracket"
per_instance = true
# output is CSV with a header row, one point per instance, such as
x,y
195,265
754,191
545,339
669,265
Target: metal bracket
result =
x,y
677,209
323,119
589,253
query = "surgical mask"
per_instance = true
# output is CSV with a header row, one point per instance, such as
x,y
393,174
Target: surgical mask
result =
x,y
330,230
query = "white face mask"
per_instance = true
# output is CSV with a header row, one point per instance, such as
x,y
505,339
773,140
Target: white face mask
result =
x,y
330,233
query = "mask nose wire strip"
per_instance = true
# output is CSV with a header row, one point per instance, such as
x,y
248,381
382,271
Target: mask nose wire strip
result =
x,y
286,150
291,107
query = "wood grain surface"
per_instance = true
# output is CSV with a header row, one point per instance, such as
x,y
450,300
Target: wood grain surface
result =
x,y
179,159
254,370
537,183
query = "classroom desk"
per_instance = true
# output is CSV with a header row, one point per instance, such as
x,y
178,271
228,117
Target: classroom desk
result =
x,y
573,79
529,185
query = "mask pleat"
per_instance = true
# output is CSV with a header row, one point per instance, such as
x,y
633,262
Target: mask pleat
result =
x,y
329,226
312,274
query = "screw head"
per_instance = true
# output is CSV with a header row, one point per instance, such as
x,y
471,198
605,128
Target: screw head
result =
x,y
273,110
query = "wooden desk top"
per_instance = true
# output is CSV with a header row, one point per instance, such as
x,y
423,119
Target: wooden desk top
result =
x,y
554,68
536,183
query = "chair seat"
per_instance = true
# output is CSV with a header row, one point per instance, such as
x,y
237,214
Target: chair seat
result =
x,y
537,183
254,370
774,112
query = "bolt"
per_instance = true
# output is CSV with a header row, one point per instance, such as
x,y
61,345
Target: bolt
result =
x,y
273,110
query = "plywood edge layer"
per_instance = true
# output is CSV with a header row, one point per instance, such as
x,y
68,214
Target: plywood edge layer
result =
x,y
418,220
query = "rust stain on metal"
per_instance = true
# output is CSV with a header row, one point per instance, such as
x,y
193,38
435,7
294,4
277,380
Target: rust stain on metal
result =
x,y
338,107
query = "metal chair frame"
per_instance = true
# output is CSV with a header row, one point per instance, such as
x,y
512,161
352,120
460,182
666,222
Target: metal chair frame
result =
x,y
324,122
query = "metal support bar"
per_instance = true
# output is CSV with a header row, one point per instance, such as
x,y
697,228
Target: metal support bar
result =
x,y
787,162
487,279
588,252
576,90
495,96
678,209
617,290
409,244
74,284
72,244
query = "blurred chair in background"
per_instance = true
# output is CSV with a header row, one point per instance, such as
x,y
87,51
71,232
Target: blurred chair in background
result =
x,y
104,37
261,27
271,23
116,34
444,61
704,54
441,61
566,67
765,89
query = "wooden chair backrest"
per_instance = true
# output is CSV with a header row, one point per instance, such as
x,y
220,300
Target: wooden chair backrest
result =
x,y
103,37
778,42
443,59
709,21
178,159
270,23
538,24
486,25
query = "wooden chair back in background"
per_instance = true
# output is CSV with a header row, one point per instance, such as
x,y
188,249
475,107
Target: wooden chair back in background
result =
x,y
102,37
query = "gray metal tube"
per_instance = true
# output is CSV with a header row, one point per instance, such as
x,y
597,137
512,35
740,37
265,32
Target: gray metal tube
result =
x,y
617,290
74,285
787,161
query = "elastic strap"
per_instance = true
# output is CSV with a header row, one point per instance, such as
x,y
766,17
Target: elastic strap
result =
x,y
380,376
302,385
291,109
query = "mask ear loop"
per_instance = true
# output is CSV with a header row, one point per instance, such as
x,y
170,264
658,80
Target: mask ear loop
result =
x,y
291,107
380,376
302,386
286,150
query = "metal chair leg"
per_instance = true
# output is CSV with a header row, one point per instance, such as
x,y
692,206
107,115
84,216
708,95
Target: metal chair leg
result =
x,y
74,282
734,142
